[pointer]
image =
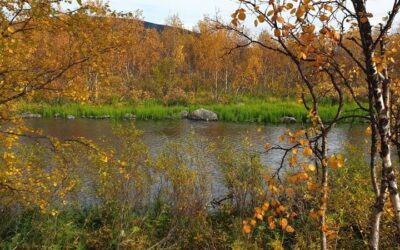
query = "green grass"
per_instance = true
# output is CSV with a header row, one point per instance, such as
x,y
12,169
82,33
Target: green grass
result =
x,y
253,111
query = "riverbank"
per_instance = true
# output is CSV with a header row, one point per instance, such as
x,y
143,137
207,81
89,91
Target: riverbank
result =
x,y
257,111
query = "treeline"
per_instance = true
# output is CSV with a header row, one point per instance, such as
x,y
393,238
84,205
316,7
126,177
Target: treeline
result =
x,y
108,57
175,66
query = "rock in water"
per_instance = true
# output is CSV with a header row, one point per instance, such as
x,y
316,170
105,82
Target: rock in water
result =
x,y
203,115
288,119
28,115
183,114
129,116
70,117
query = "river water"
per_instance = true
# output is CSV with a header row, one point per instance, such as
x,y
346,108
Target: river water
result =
x,y
157,133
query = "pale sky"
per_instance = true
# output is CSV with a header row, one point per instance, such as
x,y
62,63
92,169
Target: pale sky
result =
x,y
191,11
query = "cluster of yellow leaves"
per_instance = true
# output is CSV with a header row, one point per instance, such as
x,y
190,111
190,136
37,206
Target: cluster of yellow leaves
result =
x,y
272,213
25,181
239,14
298,177
383,61
305,173
335,161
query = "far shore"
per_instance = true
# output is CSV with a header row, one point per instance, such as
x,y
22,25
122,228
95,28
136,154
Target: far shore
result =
x,y
251,112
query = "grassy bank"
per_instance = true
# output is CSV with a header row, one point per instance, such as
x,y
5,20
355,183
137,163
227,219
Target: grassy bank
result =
x,y
256,111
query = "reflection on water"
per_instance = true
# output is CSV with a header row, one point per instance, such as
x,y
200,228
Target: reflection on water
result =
x,y
157,133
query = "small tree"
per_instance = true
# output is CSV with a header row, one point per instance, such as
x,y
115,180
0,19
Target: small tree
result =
x,y
333,47
41,44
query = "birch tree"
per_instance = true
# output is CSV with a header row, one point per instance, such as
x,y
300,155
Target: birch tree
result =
x,y
330,42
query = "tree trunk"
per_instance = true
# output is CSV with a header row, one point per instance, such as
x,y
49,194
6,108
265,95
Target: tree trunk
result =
x,y
226,81
374,145
373,153
324,196
380,95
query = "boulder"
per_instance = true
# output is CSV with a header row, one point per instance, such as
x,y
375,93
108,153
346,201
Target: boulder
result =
x,y
70,117
103,117
28,115
203,115
56,115
288,119
184,114
129,116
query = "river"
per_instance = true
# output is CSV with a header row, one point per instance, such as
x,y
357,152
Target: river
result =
x,y
157,134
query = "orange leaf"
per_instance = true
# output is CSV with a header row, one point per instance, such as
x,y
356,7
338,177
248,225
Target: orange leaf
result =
x,y
284,223
289,229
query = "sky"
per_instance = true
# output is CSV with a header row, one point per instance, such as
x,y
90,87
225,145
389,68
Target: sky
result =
x,y
191,11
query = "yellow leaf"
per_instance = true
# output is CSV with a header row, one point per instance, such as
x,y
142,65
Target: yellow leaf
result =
x,y
290,191
328,7
281,209
242,15
104,159
324,18
261,18
311,167
309,28
336,161
289,6
271,223
289,229
312,186
284,223
270,13
368,131
265,206
299,13
246,229
280,19
307,152
277,32
234,22
293,161
303,56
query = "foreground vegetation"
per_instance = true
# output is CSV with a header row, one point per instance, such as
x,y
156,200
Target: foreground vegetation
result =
x,y
270,111
166,201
